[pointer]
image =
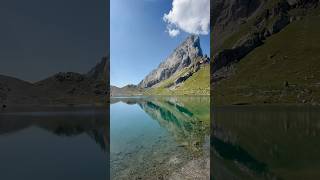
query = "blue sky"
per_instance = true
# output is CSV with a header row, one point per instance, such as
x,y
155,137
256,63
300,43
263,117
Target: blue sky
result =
x,y
139,40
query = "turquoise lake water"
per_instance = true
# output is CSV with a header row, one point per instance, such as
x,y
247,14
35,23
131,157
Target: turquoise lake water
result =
x,y
160,138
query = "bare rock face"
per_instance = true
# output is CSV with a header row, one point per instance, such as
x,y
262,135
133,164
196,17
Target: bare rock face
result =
x,y
99,72
228,15
241,49
183,56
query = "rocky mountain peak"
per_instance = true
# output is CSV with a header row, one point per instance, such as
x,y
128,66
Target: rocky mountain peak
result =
x,y
183,56
99,71
192,41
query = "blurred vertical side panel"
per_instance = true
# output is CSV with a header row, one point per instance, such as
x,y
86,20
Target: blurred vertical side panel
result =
x,y
54,89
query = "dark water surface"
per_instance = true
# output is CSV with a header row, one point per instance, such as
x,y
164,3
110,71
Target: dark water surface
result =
x,y
160,138
63,143
266,142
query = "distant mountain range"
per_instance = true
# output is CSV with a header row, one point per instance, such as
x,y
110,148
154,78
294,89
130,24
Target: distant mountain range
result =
x,y
61,88
184,72
265,51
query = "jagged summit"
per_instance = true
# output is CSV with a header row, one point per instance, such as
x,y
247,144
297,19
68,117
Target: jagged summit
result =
x,y
99,72
192,41
177,74
183,56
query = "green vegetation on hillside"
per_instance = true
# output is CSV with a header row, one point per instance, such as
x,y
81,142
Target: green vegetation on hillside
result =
x,y
286,68
197,84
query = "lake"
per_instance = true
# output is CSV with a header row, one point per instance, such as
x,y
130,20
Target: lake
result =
x,y
266,142
54,143
160,138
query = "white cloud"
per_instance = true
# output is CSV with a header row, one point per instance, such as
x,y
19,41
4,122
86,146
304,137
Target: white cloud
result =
x,y
191,16
173,32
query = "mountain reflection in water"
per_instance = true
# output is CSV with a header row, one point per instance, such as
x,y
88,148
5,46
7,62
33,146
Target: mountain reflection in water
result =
x,y
266,142
54,144
167,138
187,129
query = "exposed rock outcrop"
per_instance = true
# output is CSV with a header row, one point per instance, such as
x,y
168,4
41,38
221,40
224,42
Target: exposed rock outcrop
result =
x,y
276,43
227,56
99,72
268,21
183,56
228,15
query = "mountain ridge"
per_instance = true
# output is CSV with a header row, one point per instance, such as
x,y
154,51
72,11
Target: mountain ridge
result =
x,y
181,57
172,73
60,88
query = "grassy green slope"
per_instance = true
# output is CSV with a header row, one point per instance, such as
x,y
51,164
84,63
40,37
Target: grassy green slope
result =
x,y
292,55
197,84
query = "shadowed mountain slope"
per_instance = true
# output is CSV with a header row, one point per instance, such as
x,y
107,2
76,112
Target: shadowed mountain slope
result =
x,y
61,88
271,57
